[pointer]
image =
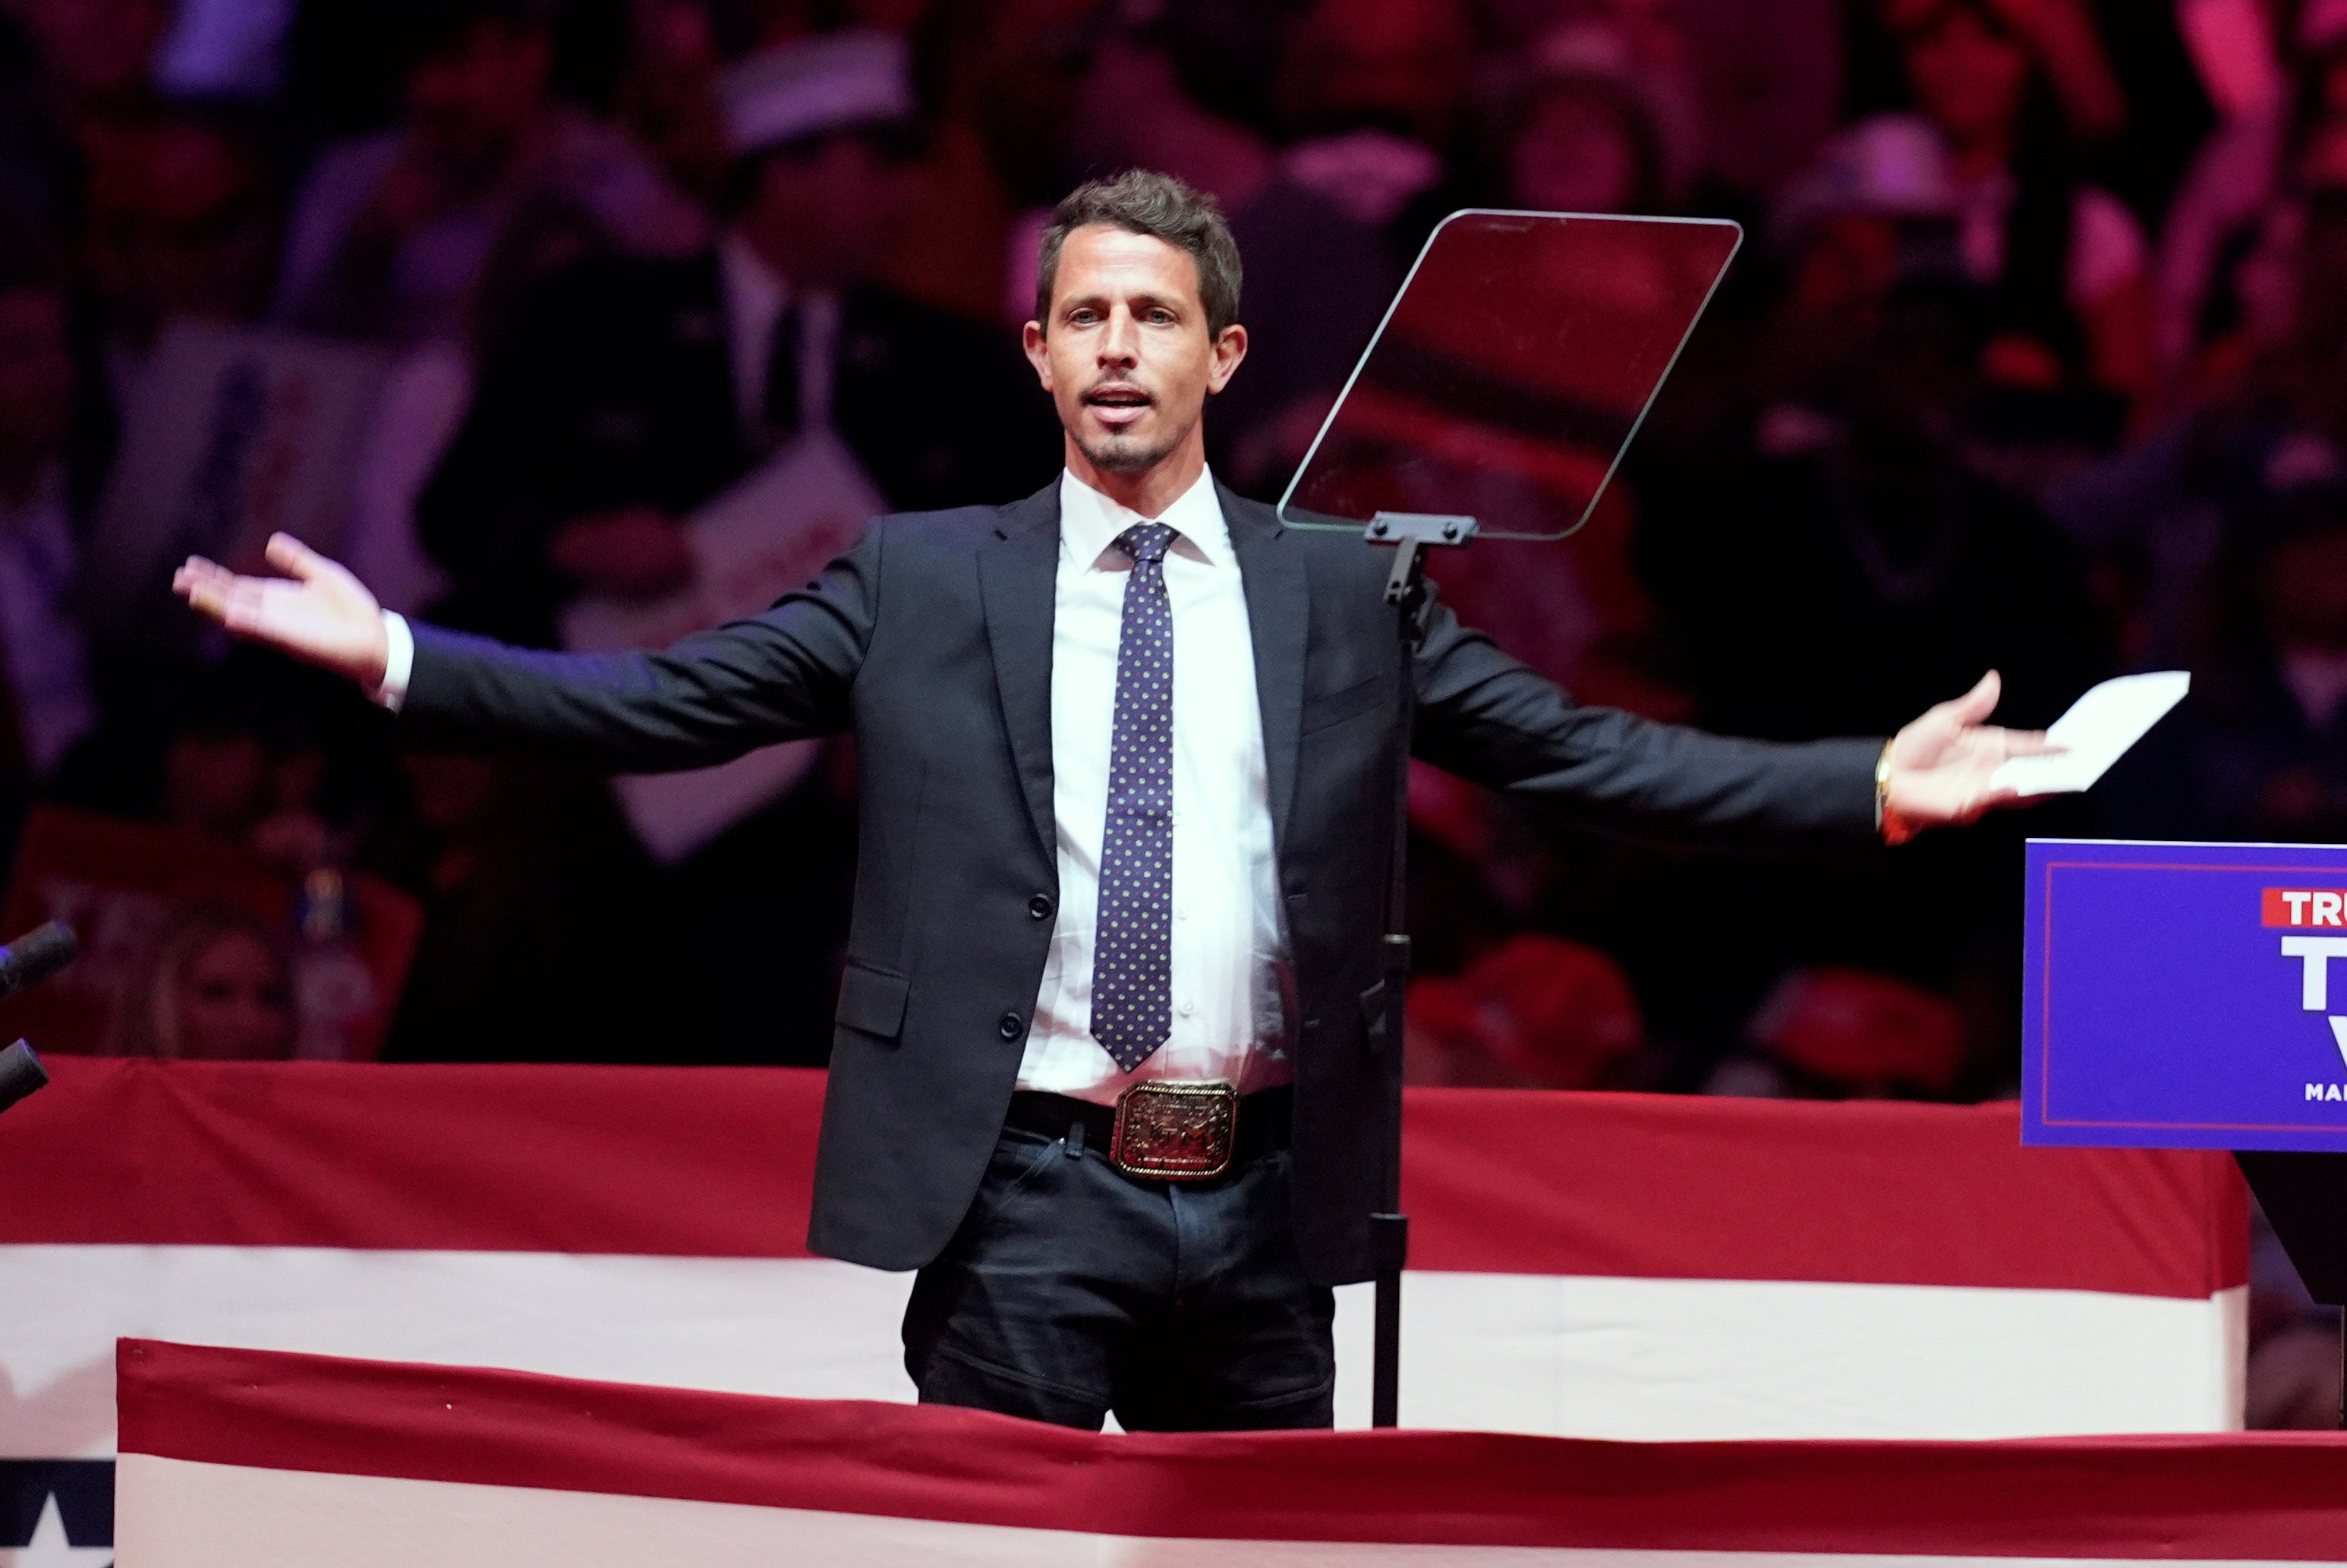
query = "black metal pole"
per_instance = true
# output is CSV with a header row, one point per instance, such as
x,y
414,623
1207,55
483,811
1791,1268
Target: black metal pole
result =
x,y
21,1073
1388,1227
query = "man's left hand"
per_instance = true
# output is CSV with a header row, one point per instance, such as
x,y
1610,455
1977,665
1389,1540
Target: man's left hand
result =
x,y
1939,766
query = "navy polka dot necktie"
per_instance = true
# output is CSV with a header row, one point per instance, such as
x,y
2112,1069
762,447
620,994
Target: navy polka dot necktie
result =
x,y
1132,959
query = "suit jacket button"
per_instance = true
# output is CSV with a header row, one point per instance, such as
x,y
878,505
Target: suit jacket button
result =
x,y
1040,905
1011,1026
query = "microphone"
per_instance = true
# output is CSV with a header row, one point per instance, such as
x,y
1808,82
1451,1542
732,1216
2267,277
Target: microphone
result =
x,y
21,1072
36,955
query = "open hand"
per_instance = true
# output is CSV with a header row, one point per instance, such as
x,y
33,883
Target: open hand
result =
x,y
1940,765
317,612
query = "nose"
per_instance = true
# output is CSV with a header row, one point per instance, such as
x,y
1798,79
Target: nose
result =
x,y
1120,345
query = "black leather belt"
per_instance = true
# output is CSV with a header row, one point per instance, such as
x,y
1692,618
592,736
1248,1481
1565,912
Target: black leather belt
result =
x,y
1165,1132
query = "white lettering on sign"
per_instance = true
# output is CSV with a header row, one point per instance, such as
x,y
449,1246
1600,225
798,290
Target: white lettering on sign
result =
x,y
2297,902
2322,1092
2316,953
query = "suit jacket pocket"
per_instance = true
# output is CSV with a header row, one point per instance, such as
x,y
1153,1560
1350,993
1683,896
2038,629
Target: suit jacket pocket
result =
x,y
1336,707
872,1001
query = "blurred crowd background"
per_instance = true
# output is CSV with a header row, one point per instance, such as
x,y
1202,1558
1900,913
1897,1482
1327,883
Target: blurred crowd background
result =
x,y
584,321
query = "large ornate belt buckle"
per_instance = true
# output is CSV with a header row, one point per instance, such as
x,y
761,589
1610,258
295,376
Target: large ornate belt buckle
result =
x,y
1173,1132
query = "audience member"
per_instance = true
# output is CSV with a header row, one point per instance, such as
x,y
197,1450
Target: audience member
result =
x,y
219,987
632,391
2261,750
45,705
423,230
84,74
183,224
2285,136
2160,514
2063,262
1578,131
666,93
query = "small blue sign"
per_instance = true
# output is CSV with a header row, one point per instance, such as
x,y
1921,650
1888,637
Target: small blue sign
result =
x,y
2186,996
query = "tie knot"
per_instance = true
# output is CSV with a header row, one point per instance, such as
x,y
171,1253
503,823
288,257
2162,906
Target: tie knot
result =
x,y
1147,543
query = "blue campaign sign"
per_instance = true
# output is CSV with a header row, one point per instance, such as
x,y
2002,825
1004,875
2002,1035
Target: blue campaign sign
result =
x,y
2187,996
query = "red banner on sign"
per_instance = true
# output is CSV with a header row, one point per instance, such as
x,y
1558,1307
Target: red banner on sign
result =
x,y
2307,909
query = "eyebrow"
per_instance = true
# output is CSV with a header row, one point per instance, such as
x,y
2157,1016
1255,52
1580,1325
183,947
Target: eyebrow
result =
x,y
1138,303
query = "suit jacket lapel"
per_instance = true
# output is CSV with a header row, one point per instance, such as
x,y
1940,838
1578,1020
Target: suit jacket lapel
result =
x,y
1278,601
1019,580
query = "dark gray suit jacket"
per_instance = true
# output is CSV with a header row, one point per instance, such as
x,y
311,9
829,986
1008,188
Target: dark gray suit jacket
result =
x,y
931,641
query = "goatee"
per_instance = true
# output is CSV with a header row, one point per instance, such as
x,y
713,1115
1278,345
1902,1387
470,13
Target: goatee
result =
x,y
1128,454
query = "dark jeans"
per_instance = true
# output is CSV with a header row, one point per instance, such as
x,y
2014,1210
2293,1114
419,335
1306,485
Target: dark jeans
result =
x,y
1071,1291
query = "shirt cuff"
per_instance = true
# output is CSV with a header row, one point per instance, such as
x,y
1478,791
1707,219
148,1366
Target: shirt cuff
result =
x,y
399,662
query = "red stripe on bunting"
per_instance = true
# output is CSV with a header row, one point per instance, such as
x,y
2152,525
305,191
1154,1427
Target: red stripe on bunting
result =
x,y
703,1161
2263,1496
718,1162
1675,1186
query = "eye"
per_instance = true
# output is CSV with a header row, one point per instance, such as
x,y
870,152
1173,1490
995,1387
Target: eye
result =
x,y
1161,317
1083,316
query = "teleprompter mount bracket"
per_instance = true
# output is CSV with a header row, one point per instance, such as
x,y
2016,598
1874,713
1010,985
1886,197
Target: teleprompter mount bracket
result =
x,y
1410,533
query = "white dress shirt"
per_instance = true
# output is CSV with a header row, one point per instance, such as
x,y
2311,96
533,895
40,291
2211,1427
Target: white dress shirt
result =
x,y
1230,976
1230,971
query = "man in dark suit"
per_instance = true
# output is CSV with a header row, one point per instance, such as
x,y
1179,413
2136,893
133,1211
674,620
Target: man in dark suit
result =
x,y
1106,1069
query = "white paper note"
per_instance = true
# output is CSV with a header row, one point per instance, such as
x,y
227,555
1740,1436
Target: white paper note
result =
x,y
2095,733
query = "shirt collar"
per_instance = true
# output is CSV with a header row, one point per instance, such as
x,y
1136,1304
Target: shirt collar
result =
x,y
1089,522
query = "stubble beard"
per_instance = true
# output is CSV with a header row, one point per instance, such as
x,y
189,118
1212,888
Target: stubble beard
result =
x,y
1129,454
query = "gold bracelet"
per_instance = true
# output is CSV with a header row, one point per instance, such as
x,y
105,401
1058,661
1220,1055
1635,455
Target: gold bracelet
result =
x,y
1893,830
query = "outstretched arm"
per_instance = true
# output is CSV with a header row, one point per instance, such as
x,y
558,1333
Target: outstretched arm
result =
x,y
1486,717
779,676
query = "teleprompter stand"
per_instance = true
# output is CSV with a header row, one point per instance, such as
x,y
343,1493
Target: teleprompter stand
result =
x,y
2304,1195
1408,534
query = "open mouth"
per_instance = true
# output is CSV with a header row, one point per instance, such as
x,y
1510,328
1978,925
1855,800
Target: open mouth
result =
x,y
1117,405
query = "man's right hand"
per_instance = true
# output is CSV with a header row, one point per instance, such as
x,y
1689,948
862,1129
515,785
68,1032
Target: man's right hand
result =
x,y
317,612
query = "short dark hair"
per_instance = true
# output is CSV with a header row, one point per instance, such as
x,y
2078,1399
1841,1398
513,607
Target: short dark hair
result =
x,y
1142,202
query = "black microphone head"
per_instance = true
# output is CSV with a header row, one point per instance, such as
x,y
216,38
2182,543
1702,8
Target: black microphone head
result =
x,y
36,955
21,1072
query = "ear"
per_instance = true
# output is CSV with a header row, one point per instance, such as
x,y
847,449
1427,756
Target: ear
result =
x,y
1039,353
1229,349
